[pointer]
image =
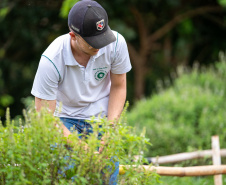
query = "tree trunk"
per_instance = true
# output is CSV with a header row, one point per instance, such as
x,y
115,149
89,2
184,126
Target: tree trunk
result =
x,y
139,81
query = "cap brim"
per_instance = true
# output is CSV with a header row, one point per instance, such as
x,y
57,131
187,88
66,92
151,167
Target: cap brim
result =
x,y
102,40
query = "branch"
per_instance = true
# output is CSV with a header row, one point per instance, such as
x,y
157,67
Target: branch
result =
x,y
178,19
142,29
215,20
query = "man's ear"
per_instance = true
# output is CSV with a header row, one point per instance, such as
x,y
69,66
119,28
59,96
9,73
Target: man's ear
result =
x,y
73,36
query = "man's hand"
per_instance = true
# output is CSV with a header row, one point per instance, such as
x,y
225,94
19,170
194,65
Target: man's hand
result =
x,y
103,142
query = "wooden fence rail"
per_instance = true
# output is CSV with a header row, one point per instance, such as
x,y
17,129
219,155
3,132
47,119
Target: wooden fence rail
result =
x,y
174,158
216,169
178,171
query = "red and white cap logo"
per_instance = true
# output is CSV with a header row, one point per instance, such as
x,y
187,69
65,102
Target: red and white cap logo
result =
x,y
100,25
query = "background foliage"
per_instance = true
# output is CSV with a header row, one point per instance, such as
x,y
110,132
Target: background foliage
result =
x,y
27,27
184,116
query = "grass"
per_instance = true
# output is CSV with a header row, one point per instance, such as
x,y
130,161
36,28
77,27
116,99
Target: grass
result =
x,y
207,180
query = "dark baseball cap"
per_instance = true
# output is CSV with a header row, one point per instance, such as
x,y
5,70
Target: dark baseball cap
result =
x,y
90,20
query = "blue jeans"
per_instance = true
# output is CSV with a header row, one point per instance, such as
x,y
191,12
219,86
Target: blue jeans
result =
x,y
85,128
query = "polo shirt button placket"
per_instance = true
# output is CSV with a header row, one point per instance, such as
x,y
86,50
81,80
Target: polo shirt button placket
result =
x,y
86,75
83,73
86,71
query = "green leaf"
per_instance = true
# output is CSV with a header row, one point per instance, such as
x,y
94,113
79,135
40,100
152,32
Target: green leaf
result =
x,y
3,12
6,100
66,6
222,2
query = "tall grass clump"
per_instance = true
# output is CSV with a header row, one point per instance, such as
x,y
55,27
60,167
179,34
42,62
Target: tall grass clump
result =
x,y
184,116
33,150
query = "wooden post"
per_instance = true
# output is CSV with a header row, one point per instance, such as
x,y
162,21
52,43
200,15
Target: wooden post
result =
x,y
216,158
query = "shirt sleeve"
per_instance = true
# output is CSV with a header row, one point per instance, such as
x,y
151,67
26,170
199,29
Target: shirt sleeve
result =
x,y
121,63
46,80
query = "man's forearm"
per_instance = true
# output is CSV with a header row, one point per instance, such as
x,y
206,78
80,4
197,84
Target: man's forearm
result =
x,y
116,103
51,104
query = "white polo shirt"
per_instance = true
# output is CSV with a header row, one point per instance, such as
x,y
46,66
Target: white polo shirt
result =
x,y
83,92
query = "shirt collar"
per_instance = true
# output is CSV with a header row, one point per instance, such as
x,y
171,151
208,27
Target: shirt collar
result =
x,y
67,53
100,52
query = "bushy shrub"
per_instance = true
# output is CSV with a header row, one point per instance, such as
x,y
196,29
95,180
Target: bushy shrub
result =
x,y
35,151
184,116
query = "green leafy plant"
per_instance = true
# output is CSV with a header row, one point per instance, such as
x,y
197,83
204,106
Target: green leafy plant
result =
x,y
184,116
34,151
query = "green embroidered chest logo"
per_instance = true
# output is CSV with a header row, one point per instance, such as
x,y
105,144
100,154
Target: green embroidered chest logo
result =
x,y
100,73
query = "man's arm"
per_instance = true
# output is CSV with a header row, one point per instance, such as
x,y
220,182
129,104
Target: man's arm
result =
x,y
117,96
39,103
116,100
51,104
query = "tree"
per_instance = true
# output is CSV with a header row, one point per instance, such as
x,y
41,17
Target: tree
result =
x,y
27,28
153,26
